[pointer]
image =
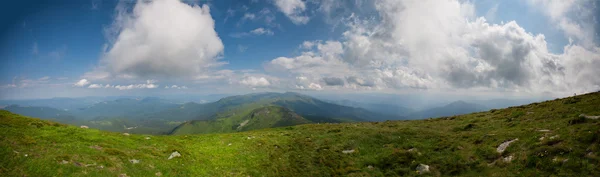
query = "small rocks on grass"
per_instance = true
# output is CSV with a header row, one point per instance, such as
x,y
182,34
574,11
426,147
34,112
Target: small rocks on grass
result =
x,y
543,130
83,126
558,159
64,162
348,151
126,134
96,147
134,161
542,138
370,167
589,117
26,155
88,165
412,149
174,154
101,166
147,138
229,144
507,159
16,152
554,137
158,174
504,145
123,175
422,168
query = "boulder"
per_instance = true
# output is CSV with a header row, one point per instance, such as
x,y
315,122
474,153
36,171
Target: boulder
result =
x,y
422,168
174,154
504,145
83,126
589,117
134,161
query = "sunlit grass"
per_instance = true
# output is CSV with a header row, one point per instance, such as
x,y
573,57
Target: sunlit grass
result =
x,y
459,145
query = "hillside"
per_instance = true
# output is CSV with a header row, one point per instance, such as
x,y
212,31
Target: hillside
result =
x,y
454,108
552,138
259,118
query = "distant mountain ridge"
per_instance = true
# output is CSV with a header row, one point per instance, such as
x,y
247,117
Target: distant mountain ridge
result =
x,y
454,108
156,116
259,118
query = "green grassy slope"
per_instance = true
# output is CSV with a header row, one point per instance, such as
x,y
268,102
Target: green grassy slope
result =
x,y
552,140
243,120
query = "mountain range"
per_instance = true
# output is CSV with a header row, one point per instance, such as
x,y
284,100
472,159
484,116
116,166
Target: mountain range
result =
x,y
153,115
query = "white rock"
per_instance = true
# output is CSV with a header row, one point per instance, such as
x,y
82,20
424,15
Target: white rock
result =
x,y
83,126
543,130
589,117
134,161
174,154
147,138
229,144
554,137
422,168
348,151
508,159
504,145
126,134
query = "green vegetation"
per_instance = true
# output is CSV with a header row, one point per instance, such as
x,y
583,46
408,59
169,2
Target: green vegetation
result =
x,y
259,118
552,141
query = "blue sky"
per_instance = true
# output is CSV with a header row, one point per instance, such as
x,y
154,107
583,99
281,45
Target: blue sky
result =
x,y
62,48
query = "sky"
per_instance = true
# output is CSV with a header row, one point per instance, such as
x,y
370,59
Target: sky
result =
x,y
157,47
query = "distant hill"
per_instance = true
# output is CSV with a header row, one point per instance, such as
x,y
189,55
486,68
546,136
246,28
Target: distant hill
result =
x,y
125,107
42,112
259,118
303,105
382,108
58,103
454,108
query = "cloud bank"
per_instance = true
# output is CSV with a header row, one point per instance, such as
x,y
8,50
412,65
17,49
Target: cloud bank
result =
x,y
443,45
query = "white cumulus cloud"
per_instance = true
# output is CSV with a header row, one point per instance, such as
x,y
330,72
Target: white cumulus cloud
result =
x,y
293,9
430,44
82,83
253,81
162,38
